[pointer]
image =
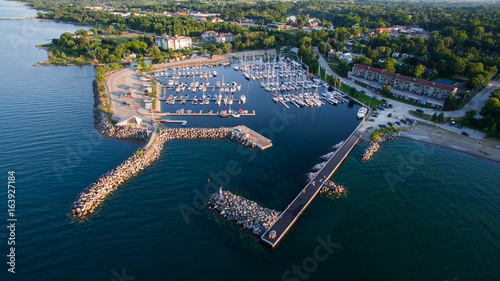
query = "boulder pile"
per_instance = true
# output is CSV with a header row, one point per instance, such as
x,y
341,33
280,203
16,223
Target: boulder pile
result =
x,y
245,212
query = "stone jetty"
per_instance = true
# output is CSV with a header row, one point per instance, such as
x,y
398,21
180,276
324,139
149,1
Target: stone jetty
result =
x,y
338,145
327,156
310,176
375,146
245,212
319,166
333,189
93,195
370,150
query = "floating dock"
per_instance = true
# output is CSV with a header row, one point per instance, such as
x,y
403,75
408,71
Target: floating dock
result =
x,y
201,113
274,234
261,141
182,122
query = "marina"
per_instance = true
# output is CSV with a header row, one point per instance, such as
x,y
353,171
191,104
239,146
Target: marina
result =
x,y
209,85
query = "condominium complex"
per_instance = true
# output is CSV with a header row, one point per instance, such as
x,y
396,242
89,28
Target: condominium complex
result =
x,y
405,87
173,43
212,36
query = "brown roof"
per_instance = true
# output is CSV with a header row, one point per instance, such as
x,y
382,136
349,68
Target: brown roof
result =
x,y
406,78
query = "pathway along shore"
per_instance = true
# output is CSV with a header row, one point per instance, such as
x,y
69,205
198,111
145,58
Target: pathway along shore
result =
x,y
93,195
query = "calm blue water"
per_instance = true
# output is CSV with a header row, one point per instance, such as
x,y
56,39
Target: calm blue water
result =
x,y
434,222
10,9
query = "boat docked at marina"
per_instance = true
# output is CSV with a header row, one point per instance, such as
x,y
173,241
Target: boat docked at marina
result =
x,y
362,112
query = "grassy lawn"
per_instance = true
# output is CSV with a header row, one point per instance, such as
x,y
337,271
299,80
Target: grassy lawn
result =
x,y
293,31
362,97
428,117
411,103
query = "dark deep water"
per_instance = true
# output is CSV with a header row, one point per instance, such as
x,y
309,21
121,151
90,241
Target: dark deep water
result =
x,y
440,222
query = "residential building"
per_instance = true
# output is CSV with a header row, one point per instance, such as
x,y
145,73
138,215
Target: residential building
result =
x,y
409,88
212,36
225,38
173,43
294,51
276,26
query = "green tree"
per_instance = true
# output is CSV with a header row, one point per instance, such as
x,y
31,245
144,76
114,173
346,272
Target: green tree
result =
x,y
386,90
440,117
418,71
492,131
321,47
434,117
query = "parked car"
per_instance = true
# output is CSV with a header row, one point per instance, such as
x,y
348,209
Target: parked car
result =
x,y
384,100
363,91
398,123
390,105
371,120
464,133
404,121
389,115
420,110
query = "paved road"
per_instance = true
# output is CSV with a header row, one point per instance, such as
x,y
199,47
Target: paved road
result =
x,y
288,217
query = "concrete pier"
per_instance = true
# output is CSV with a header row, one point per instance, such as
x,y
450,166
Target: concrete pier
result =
x,y
261,141
274,234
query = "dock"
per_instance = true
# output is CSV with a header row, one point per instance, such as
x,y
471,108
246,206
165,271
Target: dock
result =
x,y
201,113
182,122
261,141
280,227
282,102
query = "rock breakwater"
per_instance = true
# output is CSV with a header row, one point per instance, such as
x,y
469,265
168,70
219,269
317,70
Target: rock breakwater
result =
x,y
244,212
375,146
333,189
92,196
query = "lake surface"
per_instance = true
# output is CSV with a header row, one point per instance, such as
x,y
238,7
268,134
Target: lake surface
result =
x,y
415,212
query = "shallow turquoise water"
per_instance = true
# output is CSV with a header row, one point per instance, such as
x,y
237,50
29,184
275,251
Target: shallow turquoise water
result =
x,y
438,221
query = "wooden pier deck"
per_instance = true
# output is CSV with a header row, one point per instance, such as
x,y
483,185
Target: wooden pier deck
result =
x,y
305,197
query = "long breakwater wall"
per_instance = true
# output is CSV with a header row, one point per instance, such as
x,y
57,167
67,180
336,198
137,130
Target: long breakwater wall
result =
x,y
93,195
245,212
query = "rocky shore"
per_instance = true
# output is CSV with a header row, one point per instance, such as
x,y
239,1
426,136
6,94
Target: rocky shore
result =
x,y
375,146
333,189
245,212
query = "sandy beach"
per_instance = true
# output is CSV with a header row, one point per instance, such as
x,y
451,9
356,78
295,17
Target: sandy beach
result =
x,y
486,148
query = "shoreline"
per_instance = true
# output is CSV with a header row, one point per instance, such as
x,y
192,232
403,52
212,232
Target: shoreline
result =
x,y
439,137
